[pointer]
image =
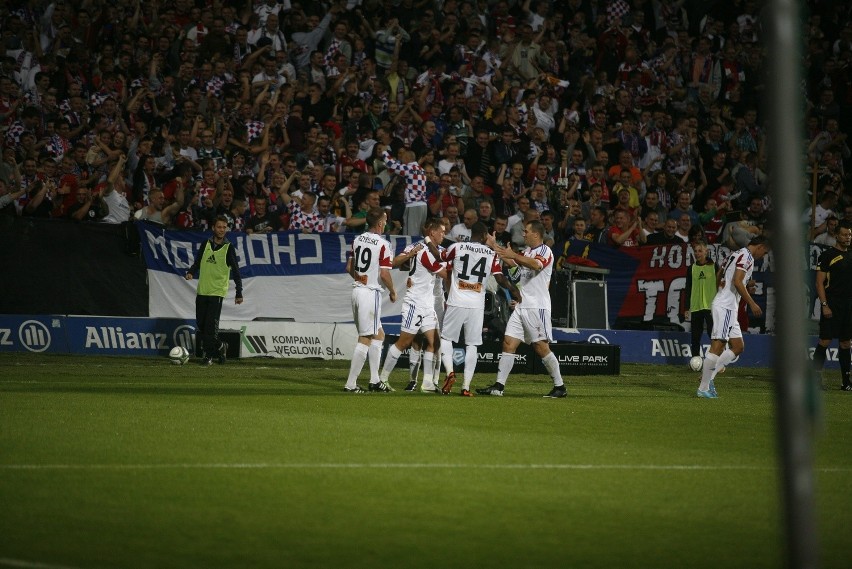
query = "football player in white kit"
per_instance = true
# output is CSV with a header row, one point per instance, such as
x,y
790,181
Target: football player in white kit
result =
x,y
472,262
735,275
418,308
415,352
369,265
530,321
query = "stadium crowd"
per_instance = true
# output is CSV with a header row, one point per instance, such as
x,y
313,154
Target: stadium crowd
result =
x,y
622,122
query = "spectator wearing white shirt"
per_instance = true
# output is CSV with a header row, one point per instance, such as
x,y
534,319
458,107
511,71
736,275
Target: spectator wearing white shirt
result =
x,y
269,76
271,32
824,209
523,206
271,7
829,237
461,231
328,222
198,32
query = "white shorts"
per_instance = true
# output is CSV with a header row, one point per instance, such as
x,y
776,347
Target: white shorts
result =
x,y
470,318
367,310
725,324
530,325
418,318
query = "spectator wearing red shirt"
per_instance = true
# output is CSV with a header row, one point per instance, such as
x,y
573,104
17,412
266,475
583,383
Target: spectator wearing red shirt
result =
x,y
625,232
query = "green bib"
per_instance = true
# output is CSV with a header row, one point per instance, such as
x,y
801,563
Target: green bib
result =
x,y
703,287
214,274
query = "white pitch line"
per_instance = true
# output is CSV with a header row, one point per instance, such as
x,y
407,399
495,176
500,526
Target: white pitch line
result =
x,y
399,465
30,564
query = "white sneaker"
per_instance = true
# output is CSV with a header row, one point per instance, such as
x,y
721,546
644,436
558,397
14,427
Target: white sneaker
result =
x,y
429,388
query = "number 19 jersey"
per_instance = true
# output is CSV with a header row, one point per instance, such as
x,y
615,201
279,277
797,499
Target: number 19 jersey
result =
x,y
370,254
472,263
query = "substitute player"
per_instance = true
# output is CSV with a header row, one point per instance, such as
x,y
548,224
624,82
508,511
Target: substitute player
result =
x,y
735,274
530,321
834,288
215,263
700,290
418,306
472,262
369,266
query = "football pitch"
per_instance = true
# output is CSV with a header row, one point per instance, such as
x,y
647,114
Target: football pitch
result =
x,y
134,462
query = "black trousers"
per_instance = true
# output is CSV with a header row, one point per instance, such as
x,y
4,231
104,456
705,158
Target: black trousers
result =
x,y
207,312
700,319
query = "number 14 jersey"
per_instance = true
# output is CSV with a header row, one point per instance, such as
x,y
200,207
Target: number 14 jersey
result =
x,y
472,263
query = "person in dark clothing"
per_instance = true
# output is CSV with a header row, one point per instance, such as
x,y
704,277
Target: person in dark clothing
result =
x,y
834,289
215,263
597,230
666,236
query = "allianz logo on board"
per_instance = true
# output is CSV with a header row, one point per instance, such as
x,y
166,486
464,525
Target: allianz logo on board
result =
x,y
34,336
670,347
184,335
114,337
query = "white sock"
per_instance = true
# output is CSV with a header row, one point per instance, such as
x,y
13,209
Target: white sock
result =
x,y
470,355
504,368
413,364
710,362
447,355
725,358
552,364
428,369
390,362
358,358
436,364
374,357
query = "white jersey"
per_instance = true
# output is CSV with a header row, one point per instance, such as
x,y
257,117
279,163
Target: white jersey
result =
x,y
535,285
459,233
118,206
472,263
728,297
370,253
421,277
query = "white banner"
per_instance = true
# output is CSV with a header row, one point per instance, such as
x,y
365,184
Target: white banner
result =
x,y
294,340
304,298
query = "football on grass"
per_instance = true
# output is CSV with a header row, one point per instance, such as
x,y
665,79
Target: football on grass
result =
x,y
695,363
179,355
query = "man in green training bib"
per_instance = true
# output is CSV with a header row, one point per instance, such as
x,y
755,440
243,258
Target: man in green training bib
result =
x,y
700,291
215,263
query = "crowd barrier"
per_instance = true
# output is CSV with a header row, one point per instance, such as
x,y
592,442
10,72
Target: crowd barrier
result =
x,y
574,358
100,335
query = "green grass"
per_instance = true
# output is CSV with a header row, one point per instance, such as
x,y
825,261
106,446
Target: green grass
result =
x,y
133,462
